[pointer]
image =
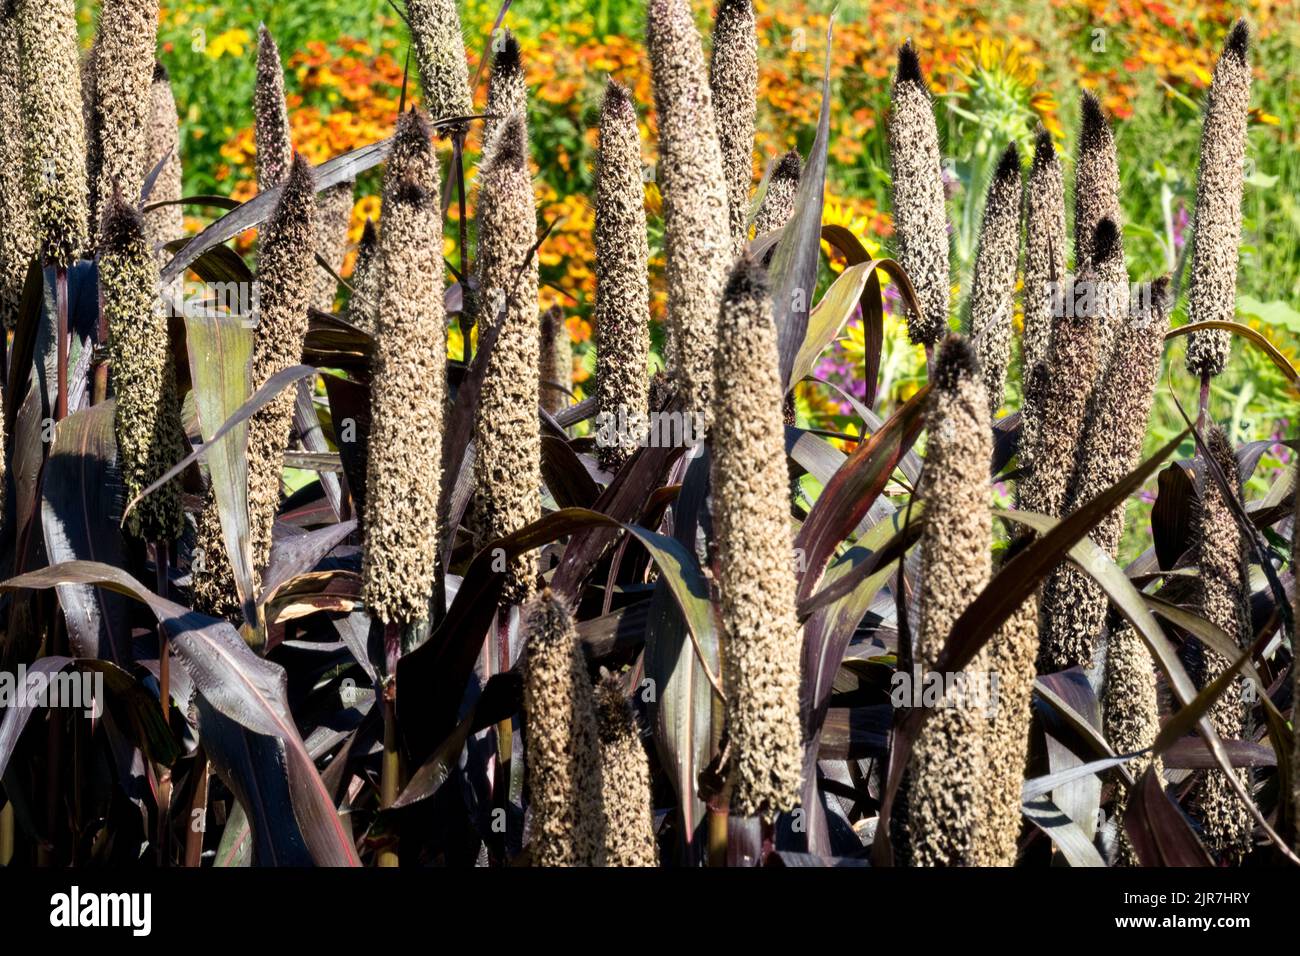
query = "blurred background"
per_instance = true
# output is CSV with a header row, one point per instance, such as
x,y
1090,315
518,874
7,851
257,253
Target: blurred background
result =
x,y
997,68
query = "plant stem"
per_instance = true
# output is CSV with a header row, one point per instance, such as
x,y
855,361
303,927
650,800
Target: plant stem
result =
x,y
6,834
390,771
505,730
61,346
458,160
390,768
99,386
199,803
164,700
1204,406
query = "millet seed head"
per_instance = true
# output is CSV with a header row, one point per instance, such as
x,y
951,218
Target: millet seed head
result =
x,y
54,127
507,88
556,354
407,396
1216,224
562,748
733,81
1067,383
778,202
1131,716
1045,260
270,115
1096,178
166,222
1012,656
333,218
147,419
944,800
626,802
440,54
18,241
920,215
1074,604
697,239
1222,597
751,521
996,262
622,283
507,465
286,265
124,69
364,303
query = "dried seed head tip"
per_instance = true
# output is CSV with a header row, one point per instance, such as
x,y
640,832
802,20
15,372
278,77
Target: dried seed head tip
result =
x,y
1009,164
123,225
1105,241
748,281
956,361
413,131
909,66
790,168
1093,130
1044,150
507,58
1238,43
617,97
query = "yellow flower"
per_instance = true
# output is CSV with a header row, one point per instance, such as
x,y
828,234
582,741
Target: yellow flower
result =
x,y
232,42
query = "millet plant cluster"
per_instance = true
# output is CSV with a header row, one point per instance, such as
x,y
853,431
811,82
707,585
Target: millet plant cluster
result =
x,y
481,633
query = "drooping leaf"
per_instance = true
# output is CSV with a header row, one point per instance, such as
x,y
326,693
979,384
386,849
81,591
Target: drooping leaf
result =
x,y
81,506
220,353
1160,833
